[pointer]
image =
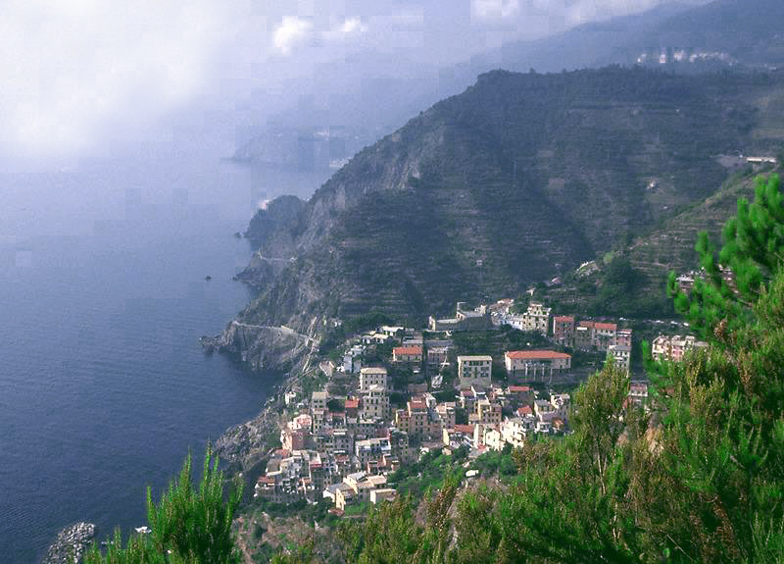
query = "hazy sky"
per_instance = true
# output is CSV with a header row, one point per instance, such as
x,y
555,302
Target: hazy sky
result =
x,y
82,77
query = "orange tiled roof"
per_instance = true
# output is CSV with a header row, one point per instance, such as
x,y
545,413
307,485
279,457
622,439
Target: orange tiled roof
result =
x,y
534,355
415,349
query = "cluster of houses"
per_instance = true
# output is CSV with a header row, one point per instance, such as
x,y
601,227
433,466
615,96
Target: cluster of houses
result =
x,y
673,347
566,330
343,447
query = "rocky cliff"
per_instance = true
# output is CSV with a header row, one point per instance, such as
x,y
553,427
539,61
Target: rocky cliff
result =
x,y
516,180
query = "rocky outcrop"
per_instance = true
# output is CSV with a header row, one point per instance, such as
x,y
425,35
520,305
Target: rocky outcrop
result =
x,y
71,543
245,445
262,346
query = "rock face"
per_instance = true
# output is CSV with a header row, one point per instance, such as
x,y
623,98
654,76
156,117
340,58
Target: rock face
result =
x,y
70,545
261,346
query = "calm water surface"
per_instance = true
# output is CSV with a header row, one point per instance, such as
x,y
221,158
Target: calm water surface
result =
x,y
103,386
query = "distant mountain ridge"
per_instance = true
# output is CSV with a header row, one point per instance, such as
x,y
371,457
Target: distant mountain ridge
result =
x,y
517,180
748,32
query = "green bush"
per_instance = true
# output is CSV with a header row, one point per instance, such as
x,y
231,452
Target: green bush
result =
x,y
189,525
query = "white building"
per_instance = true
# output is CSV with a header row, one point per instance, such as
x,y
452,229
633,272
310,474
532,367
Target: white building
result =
x,y
514,431
352,360
474,371
375,403
371,376
621,355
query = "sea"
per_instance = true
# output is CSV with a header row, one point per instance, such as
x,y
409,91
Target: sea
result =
x,y
104,294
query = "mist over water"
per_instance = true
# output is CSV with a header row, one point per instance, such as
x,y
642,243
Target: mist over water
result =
x,y
103,385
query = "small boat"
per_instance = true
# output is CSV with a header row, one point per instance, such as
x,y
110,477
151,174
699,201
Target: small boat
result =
x,y
208,278
143,530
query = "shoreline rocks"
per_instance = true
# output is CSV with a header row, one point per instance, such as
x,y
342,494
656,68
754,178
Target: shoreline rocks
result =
x,y
261,346
71,542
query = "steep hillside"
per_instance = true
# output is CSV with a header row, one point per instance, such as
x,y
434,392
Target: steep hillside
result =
x,y
632,279
516,180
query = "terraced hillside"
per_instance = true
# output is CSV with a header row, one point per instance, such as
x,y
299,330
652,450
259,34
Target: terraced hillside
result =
x,y
671,247
517,180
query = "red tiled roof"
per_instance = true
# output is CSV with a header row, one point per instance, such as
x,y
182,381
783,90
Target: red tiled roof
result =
x,y
519,389
416,405
416,349
536,354
525,410
467,429
352,403
609,326
586,323
564,319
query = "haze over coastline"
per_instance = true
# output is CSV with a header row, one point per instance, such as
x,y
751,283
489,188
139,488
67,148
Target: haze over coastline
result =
x,y
116,205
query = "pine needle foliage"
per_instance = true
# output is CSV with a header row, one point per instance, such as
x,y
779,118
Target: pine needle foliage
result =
x,y
190,525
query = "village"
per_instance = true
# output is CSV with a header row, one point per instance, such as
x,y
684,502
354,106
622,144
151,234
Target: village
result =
x,y
393,394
